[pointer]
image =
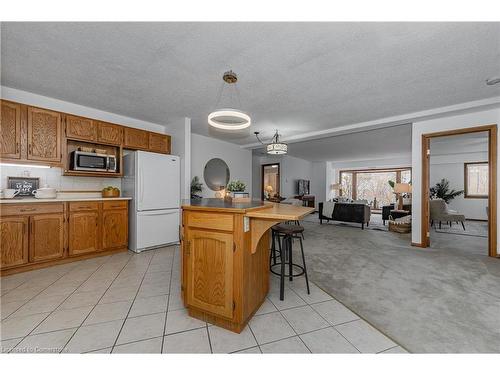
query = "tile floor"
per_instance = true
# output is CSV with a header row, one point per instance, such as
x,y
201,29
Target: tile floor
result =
x,y
130,303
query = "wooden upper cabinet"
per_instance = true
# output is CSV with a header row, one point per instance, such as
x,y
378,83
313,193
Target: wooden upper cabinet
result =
x,y
114,228
13,241
109,133
136,139
159,143
81,128
44,135
46,237
210,271
83,232
10,130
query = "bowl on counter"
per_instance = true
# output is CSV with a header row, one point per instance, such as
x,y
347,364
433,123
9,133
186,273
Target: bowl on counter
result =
x,y
45,193
110,192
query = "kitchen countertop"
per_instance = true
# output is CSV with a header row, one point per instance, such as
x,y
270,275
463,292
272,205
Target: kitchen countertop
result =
x,y
222,205
59,199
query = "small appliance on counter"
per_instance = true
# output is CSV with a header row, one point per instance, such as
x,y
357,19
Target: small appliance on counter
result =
x,y
8,193
153,182
45,192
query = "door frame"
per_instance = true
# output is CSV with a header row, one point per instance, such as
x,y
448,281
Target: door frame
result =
x,y
262,178
492,183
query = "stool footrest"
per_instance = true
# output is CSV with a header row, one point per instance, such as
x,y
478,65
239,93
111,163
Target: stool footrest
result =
x,y
287,274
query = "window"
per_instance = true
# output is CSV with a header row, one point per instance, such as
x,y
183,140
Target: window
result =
x,y
372,185
476,180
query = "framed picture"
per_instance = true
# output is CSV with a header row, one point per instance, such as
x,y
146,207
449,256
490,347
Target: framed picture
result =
x,y
25,185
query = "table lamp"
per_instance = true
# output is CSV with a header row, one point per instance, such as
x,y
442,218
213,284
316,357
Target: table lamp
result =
x,y
401,188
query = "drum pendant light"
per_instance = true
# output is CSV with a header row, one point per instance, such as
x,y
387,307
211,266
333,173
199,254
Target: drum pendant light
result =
x,y
229,118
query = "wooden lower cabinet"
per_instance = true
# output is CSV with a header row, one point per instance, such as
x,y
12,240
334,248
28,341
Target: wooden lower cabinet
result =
x,y
42,234
114,228
13,241
83,232
210,274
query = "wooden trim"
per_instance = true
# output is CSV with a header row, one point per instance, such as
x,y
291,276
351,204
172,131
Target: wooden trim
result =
x,y
262,179
417,244
466,181
492,176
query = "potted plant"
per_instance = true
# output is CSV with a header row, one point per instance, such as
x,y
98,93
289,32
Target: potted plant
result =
x,y
196,188
236,189
442,190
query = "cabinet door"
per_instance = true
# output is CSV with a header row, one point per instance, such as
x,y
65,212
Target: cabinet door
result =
x,y
136,139
13,241
114,229
159,143
83,232
210,272
44,135
109,133
10,130
81,128
47,237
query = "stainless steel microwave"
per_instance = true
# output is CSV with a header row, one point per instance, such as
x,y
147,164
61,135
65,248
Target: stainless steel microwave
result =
x,y
91,161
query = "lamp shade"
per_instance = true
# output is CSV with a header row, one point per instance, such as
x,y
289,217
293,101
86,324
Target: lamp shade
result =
x,y
401,188
269,188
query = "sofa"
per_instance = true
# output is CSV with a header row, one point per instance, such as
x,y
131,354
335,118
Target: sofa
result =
x,y
347,212
386,211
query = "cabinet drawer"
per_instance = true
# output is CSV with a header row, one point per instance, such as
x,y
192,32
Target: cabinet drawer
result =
x,y
32,209
115,205
210,220
84,206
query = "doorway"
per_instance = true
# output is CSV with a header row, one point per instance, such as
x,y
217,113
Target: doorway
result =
x,y
471,172
270,181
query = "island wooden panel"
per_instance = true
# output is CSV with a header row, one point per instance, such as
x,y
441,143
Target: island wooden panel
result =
x,y
225,259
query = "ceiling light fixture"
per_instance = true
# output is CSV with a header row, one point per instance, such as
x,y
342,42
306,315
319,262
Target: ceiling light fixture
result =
x,y
276,147
493,81
229,118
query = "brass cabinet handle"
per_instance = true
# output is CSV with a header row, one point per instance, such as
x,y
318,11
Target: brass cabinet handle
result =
x,y
28,209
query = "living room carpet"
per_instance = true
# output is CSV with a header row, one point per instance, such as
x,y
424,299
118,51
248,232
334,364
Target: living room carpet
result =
x,y
472,228
443,299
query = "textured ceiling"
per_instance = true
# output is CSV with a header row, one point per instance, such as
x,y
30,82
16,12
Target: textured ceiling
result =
x,y
383,143
297,77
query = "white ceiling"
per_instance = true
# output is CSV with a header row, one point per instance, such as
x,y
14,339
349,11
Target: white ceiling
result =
x,y
391,142
297,77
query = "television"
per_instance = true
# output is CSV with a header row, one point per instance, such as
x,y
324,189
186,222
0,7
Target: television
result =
x,y
303,187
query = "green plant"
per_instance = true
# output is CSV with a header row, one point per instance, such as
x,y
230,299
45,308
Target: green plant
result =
x,y
391,183
196,185
236,186
442,190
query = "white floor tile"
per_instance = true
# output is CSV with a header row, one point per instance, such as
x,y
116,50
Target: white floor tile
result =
x,y
21,326
179,320
107,312
334,312
304,319
94,337
327,340
140,347
395,350
195,341
40,305
291,299
254,350
81,299
364,337
270,327
266,307
225,341
63,319
142,327
46,343
149,305
289,345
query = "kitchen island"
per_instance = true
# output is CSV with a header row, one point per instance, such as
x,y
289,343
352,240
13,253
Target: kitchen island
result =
x,y
225,257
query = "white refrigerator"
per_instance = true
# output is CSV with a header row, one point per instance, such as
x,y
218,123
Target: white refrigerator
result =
x,y
153,182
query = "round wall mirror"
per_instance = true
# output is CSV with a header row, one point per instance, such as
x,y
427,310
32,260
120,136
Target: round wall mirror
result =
x,y
216,174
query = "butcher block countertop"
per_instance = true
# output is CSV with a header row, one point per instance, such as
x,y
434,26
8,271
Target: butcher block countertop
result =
x,y
280,211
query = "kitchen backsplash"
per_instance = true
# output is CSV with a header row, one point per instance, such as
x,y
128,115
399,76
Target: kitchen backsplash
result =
x,y
54,178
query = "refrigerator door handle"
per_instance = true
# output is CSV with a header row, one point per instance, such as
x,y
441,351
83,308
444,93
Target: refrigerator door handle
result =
x,y
141,185
154,213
